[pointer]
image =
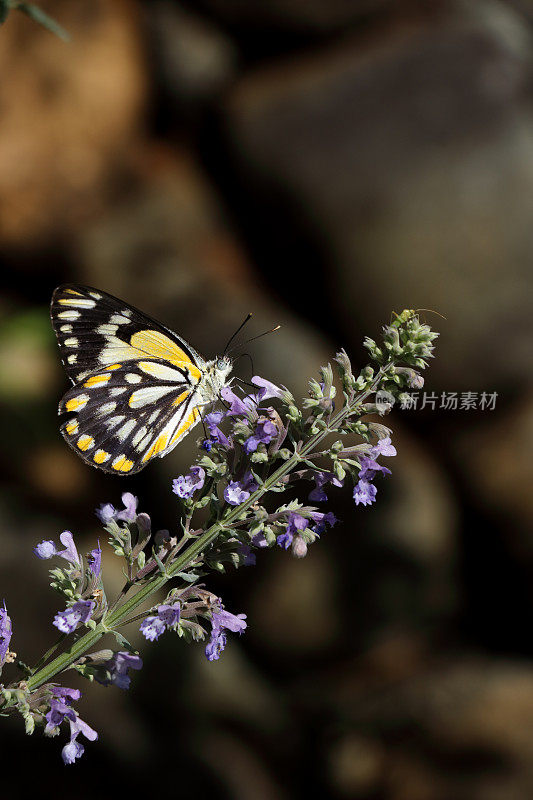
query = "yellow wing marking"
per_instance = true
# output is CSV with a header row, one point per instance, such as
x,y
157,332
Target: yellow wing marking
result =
x,y
76,403
71,427
157,345
122,464
179,400
158,446
114,366
83,303
97,380
185,425
100,456
85,442
71,291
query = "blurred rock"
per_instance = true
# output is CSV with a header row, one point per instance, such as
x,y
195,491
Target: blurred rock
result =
x,y
494,457
456,728
193,59
243,774
302,16
69,110
302,614
409,155
356,763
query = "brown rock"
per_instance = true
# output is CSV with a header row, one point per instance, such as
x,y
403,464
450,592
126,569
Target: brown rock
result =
x,y
68,111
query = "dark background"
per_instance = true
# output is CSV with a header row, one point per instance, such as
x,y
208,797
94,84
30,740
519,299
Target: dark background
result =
x,y
321,163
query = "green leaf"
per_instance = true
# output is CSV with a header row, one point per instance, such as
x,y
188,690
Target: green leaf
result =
x,y
4,10
38,15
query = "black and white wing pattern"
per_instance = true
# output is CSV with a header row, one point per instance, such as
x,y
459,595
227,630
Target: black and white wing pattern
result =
x,y
135,393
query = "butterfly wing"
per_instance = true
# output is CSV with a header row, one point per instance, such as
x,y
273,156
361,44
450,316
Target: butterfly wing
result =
x,y
135,382
120,419
96,330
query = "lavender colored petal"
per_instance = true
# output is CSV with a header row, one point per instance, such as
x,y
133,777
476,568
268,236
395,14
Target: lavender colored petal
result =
x,y
45,549
70,552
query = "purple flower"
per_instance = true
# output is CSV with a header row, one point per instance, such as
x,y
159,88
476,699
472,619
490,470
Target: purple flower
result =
x,y
68,620
267,389
212,421
369,467
236,492
118,667
107,513
249,556
364,493
45,549
170,614
318,495
295,523
60,710
239,406
152,628
207,444
384,448
48,548
6,631
221,620
322,521
95,561
186,485
167,617
265,431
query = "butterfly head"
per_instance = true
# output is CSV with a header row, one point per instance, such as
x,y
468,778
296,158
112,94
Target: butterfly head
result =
x,y
215,376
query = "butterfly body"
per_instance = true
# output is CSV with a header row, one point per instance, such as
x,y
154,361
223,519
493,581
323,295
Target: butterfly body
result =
x,y
138,388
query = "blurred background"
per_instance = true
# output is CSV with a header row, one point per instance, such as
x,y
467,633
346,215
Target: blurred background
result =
x,y
320,163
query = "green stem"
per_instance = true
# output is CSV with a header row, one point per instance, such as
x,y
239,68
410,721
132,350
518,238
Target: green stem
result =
x,y
116,617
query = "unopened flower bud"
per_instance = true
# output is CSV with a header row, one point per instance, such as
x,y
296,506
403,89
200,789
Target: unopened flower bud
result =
x,y
299,547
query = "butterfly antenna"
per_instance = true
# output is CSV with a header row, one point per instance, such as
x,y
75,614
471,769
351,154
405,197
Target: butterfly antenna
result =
x,y
272,330
239,329
246,355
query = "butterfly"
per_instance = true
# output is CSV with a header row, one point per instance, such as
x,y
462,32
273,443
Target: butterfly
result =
x,y
138,386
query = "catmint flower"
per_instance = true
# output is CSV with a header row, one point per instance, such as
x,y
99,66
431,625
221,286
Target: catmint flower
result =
x,y
95,561
239,406
322,521
295,523
268,389
207,444
60,710
45,549
48,549
170,614
167,617
152,627
318,495
186,485
249,556
6,631
118,667
107,513
221,620
365,492
236,492
265,431
68,620
212,421
383,448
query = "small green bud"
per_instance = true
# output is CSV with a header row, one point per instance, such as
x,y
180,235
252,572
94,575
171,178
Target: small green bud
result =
x,y
339,470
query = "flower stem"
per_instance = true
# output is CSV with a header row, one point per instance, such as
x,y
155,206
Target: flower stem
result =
x,y
117,616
